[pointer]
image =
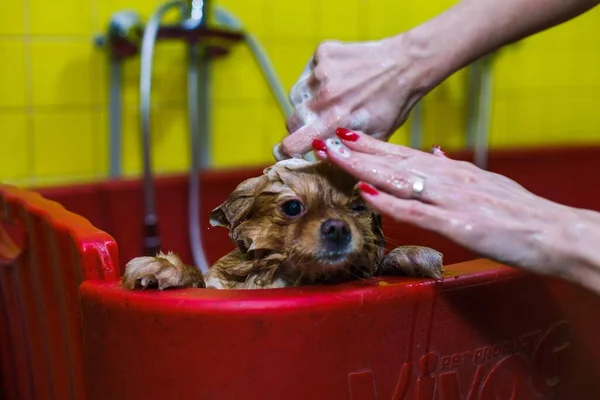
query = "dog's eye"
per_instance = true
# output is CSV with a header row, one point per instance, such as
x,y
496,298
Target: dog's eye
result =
x,y
292,208
358,207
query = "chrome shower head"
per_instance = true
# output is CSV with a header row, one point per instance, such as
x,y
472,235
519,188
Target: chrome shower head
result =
x,y
124,34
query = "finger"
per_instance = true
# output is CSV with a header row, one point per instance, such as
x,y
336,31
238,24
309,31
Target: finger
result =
x,y
303,125
320,150
294,122
278,153
414,212
366,144
388,173
313,82
311,64
300,142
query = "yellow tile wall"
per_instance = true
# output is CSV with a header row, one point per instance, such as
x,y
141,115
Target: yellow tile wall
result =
x,y
53,85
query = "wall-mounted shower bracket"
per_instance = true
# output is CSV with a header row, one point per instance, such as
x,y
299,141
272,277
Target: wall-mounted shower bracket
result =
x,y
125,31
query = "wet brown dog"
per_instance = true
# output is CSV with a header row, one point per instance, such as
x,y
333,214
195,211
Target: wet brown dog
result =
x,y
299,223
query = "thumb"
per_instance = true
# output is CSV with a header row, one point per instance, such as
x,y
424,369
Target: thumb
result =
x,y
300,142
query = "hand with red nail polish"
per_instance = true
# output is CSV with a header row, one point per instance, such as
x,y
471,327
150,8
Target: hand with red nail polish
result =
x,y
368,189
372,86
319,145
369,87
486,212
346,134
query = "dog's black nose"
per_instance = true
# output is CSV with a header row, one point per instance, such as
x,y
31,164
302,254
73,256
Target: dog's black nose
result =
x,y
336,232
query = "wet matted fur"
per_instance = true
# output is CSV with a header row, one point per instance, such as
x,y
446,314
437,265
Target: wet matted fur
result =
x,y
275,249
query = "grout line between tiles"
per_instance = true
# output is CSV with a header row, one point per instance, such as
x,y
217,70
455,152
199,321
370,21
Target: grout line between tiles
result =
x,y
29,110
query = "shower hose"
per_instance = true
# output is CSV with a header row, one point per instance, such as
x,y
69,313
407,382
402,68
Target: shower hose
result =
x,y
151,236
198,92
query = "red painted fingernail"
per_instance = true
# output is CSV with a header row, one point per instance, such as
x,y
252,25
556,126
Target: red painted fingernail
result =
x,y
368,189
346,134
318,144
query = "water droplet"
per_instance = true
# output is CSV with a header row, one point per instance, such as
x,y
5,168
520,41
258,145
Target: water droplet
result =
x,y
399,184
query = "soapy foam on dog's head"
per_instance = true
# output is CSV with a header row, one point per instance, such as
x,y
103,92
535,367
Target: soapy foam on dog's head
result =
x,y
291,164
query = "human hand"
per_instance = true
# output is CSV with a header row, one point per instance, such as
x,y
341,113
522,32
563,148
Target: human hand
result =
x,y
483,211
369,86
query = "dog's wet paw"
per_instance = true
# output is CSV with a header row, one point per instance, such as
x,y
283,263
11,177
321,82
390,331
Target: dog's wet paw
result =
x,y
414,261
162,272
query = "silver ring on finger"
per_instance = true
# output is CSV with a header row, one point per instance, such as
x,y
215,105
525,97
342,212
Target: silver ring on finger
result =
x,y
417,187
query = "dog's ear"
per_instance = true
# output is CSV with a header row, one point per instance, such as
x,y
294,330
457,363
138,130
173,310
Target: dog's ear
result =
x,y
239,203
218,217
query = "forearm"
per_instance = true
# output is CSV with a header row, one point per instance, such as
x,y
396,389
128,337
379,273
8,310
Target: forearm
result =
x,y
474,28
576,244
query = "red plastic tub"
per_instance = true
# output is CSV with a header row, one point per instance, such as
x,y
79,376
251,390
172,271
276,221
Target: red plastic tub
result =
x,y
67,331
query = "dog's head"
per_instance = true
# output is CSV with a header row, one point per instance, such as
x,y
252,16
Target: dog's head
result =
x,y
307,215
